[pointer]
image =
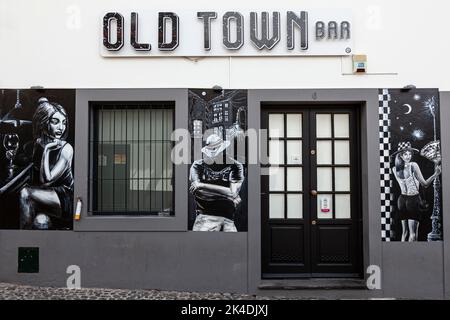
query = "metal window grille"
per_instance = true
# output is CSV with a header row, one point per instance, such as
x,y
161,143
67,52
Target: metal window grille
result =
x,y
131,168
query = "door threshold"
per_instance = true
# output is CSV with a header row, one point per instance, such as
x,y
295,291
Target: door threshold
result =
x,y
314,284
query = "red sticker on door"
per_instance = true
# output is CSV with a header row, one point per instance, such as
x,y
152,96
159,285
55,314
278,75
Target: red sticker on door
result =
x,y
325,205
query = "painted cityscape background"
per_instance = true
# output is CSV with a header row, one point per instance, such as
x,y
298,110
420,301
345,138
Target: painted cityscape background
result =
x,y
222,113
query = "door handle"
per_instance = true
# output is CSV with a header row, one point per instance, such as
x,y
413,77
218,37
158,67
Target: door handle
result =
x,y
314,193
314,222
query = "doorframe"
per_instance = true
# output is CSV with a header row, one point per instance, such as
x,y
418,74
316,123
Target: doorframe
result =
x,y
367,101
356,205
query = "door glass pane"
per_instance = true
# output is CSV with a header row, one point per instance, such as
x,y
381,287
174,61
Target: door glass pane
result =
x,y
343,209
294,152
323,125
276,179
276,152
324,153
341,152
276,125
276,206
295,206
294,179
294,125
341,126
325,206
342,179
324,179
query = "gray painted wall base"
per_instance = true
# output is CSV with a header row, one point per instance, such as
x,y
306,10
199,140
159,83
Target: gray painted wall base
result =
x,y
413,270
184,261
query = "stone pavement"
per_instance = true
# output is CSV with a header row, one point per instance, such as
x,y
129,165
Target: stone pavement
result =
x,y
22,292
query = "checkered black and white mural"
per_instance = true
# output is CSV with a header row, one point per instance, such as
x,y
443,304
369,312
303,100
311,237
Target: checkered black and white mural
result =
x,y
410,165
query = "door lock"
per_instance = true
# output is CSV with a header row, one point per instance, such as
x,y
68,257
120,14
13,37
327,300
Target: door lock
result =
x,y
314,222
313,152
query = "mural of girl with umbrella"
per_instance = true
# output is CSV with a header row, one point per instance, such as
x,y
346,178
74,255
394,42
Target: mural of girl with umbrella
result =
x,y
410,178
50,193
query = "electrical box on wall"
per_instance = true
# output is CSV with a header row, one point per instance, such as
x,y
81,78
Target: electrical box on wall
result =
x,y
28,260
359,64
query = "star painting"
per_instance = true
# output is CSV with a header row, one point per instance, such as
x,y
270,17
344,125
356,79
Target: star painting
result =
x,y
408,112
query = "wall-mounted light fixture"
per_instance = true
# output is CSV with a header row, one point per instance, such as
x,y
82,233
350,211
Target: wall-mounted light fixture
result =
x,y
408,87
40,89
217,89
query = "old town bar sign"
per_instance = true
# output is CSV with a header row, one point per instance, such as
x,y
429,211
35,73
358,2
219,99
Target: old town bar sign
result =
x,y
231,33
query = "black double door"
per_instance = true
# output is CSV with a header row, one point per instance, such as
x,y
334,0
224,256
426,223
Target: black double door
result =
x,y
311,216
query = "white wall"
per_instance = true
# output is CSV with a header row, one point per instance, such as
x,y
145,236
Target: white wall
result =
x,y
56,44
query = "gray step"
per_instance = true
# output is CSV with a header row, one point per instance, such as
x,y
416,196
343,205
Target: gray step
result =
x,y
314,284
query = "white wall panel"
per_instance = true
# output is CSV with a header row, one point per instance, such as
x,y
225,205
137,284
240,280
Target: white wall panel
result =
x,y
57,44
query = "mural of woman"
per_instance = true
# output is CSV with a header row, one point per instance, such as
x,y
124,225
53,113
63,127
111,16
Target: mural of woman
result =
x,y
409,178
50,193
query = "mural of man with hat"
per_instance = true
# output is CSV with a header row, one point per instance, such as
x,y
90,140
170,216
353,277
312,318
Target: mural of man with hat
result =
x,y
409,178
215,185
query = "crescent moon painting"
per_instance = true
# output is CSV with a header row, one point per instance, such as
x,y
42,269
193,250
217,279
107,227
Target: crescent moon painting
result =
x,y
413,123
409,108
